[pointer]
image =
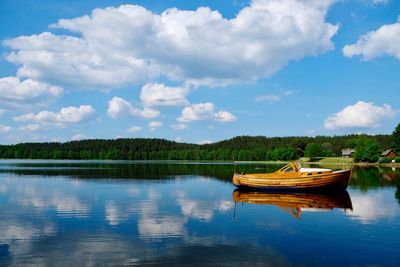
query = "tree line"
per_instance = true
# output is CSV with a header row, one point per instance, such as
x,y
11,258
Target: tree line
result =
x,y
242,148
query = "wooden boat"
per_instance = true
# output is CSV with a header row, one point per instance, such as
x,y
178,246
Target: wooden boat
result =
x,y
295,202
294,177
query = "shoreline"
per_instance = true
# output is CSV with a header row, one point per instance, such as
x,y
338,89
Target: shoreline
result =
x,y
361,164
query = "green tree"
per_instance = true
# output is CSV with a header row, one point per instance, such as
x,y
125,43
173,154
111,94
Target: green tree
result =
x,y
368,151
283,153
396,139
352,143
314,150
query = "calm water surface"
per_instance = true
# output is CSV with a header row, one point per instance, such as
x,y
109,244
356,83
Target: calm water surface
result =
x,y
58,213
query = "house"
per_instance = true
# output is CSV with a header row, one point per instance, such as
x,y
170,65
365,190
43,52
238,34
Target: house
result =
x,y
348,152
389,153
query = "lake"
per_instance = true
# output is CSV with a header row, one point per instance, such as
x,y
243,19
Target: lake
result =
x,y
60,213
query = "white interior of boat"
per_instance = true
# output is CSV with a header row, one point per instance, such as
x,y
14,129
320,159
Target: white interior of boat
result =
x,y
314,170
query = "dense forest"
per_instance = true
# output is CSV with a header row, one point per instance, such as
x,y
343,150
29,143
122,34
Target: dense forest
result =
x,y
241,148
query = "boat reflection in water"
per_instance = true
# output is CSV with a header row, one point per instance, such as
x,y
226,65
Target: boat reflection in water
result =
x,y
295,202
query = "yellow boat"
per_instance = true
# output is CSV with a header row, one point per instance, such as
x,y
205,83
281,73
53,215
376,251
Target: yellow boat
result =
x,y
296,202
294,177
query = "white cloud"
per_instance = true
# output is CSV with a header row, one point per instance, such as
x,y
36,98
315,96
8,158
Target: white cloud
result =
x,y
179,126
268,98
224,116
204,111
30,127
155,124
200,46
155,94
66,116
5,128
384,41
134,129
15,93
119,107
149,113
2,111
360,115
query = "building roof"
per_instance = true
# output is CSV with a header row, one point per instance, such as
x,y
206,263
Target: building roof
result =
x,y
387,152
347,151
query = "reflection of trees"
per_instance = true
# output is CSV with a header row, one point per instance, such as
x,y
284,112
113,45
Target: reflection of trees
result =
x,y
372,177
133,170
397,193
365,178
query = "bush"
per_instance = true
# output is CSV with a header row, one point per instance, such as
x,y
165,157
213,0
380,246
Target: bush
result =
x,y
386,160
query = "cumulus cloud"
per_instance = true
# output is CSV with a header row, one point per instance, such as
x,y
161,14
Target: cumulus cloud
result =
x,y
66,116
204,111
155,94
360,115
30,127
199,47
119,107
384,41
4,128
16,93
154,125
134,129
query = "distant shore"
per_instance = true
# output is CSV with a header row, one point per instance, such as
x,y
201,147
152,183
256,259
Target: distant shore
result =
x,y
334,161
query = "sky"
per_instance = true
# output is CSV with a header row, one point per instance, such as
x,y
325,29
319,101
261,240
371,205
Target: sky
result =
x,y
197,71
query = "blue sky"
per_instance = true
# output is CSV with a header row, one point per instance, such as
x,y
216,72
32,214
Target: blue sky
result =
x,y
197,71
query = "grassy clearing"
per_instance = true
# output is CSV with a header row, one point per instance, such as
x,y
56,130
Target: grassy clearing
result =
x,y
337,160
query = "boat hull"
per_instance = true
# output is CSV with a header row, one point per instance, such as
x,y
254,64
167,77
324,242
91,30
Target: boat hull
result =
x,y
337,180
